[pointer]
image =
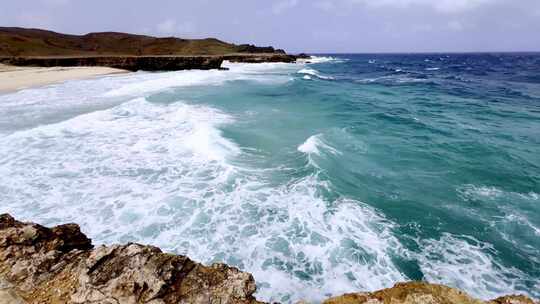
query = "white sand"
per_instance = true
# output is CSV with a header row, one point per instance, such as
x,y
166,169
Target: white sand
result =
x,y
16,78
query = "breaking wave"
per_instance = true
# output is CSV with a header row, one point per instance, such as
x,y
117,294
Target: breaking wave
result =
x,y
314,73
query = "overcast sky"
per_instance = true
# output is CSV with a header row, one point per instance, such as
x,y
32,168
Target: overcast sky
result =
x,y
301,25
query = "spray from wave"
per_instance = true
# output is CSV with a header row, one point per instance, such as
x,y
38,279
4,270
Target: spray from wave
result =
x,y
313,73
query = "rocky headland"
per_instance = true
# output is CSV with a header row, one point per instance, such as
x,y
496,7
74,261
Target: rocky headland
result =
x,y
35,47
60,265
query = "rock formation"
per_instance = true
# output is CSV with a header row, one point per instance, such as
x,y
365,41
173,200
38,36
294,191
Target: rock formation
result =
x,y
24,42
129,63
60,265
34,47
421,293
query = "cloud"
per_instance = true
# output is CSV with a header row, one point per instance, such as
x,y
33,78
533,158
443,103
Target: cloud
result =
x,y
171,26
325,5
455,25
283,6
167,26
55,2
34,20
443,6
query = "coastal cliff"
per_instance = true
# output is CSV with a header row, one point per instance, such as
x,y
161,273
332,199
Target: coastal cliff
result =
x,y
60,265
35,47
129,63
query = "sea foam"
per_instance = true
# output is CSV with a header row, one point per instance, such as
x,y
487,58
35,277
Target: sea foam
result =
x,y
164,174
315,73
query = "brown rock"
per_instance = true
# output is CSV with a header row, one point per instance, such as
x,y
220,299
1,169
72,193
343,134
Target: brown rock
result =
x,y
60,265
512,300
420,293
130,63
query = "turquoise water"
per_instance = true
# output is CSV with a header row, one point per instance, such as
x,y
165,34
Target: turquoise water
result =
x,y
348,173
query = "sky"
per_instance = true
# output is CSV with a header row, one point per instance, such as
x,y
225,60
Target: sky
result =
x,y
317,26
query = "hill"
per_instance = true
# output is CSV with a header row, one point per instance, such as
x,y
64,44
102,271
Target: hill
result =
x,y
22,42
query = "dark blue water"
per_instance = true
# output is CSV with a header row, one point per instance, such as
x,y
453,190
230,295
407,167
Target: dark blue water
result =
x,y
351,172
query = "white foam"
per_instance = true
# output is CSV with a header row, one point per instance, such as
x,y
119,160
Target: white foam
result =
x,y
432,69
315,145
470,191
401,79
474,192
468,264
324,59
162,174
144,84
315,73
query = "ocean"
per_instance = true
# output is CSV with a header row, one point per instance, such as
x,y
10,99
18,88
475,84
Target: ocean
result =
x,y
347,173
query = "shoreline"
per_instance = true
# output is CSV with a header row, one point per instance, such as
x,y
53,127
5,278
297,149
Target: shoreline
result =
x,y
61,265
15,78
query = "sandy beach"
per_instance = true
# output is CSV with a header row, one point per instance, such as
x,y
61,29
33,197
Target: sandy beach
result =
x,y
14,78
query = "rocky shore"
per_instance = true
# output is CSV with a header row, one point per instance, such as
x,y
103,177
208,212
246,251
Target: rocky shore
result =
x,y
60,265
42,48
129,63
146,63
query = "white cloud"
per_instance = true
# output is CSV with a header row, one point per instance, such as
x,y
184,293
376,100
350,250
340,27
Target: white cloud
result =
x,y
55,2
34,20
422,28
167,27
443,6
325,5
283,5
455,25
171,26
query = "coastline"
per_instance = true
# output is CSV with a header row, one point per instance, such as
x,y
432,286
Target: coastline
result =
x,y
61,265
14,78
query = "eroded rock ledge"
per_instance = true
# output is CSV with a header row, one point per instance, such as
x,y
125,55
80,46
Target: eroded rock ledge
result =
x,y
60,265
148,63
129,63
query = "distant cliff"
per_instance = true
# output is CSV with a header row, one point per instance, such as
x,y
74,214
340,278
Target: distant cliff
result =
x,y
35,47
60,265
129,63
21,42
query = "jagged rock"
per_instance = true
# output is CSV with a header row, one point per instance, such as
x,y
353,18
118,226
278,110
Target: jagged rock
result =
x,y
420,293
260,58
34,47
303,56
250,48
60,265
130,63
148,63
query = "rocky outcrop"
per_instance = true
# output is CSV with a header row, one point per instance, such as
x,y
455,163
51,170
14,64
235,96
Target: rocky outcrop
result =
x,y
421,293
60,265
260,58
35,47
148,63
250,48
24,42
130,63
